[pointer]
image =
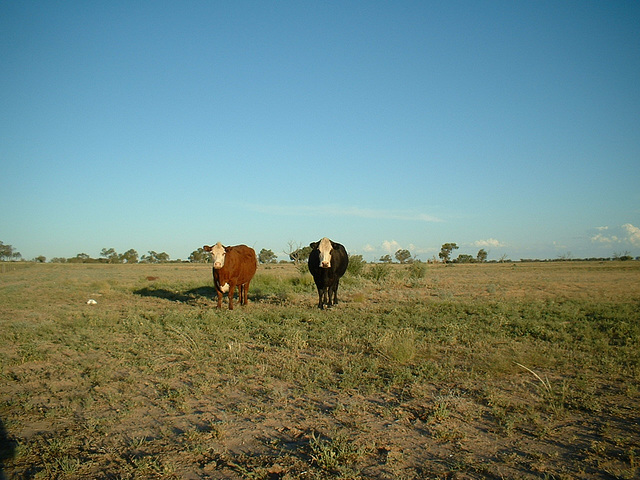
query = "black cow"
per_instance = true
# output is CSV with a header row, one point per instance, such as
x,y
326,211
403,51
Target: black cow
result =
x,y
327,263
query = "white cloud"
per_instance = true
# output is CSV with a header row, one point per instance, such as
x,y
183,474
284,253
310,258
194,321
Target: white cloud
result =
x,y
491,242
627,233
390,246
634,234
368,248
599,238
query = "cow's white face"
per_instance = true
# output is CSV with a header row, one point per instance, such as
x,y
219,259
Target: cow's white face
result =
x,y
325,248
218,253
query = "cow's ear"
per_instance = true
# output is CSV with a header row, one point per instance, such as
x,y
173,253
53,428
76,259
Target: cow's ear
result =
x,y
227,249
207,248
314,245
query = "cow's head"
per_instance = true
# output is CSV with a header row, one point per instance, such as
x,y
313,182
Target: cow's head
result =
x,y
218,251
324,246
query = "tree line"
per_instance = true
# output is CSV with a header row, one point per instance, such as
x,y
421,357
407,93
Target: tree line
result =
x,y
294,252
109,255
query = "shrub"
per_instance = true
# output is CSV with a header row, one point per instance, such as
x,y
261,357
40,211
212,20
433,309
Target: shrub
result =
x,y
356,265
417,270
378,272
303,268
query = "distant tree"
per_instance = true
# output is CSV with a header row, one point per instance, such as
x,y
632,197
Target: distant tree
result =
x,y
267,256
79,258
622,256
445,251
130,256
40,259
110,254
403,256
302,254
296,253
155,257
463,258
482,255
200,256
163,257
292,251
7,252
386,259
58,260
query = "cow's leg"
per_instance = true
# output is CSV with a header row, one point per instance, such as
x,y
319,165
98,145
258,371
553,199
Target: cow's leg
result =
x,y
219,299
326,296
320,297
245,290
232,287
334,287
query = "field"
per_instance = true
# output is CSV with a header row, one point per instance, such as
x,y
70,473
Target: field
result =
x,y
528,370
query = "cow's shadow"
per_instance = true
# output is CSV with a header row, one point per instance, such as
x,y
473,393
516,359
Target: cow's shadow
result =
x,y
199,295
7,449
194,295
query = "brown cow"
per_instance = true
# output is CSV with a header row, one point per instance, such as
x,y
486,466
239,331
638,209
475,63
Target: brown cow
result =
x,y
232,266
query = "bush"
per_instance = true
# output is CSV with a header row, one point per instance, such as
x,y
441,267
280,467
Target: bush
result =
x,y
303,268
378,272
356,265
417,270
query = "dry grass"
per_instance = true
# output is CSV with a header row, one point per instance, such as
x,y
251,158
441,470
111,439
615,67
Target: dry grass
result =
x,y
469,371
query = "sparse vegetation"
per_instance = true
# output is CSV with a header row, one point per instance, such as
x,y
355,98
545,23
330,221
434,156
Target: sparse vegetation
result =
x,y
480,371
379,272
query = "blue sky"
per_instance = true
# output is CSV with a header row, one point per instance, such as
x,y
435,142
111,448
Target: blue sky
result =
x,y
509,126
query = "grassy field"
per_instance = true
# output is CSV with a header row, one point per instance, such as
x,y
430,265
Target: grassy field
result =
x,y
463,372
